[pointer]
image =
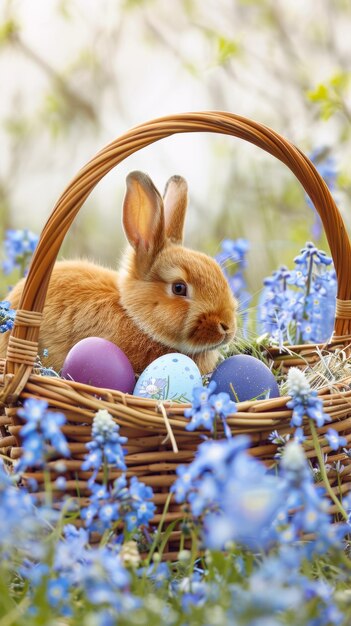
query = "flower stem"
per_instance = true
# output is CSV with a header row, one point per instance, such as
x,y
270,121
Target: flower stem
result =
x,y
306,294
48,487
323,471
159,531
106,472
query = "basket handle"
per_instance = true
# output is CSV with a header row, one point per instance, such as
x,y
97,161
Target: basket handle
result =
x,y
25,333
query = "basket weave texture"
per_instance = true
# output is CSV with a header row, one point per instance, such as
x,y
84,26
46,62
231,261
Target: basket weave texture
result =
x,y
157,439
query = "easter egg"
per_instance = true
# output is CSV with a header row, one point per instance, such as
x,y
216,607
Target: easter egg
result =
x,y
100,363
245,378
171,376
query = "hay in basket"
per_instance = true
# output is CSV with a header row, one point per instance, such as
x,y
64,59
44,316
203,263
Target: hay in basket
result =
x,y
157,439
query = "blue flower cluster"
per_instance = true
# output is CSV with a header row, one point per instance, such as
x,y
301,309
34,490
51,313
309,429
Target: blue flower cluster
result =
x,y
57,569
19,246
7,316
106,445
233,252
326,166
273,592
207,406
237,499
16,505
304,400
277,588
41,434
233,492
299,305
133,505
240,501
97,574
232,259
305,403
130,504
305,511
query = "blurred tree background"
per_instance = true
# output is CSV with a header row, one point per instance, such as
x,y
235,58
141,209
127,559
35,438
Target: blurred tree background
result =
x,y
78,73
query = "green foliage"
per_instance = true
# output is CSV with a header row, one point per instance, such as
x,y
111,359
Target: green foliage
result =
x,y
330,96
17,126
64,9
135,4
8,31
227,49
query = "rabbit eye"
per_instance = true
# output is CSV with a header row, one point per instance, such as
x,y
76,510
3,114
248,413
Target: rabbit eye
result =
x,y
179,289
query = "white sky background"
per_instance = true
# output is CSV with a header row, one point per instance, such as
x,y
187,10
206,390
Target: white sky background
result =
x,y
149,80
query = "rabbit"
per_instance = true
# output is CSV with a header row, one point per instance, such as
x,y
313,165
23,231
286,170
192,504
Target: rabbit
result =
x,y
164,298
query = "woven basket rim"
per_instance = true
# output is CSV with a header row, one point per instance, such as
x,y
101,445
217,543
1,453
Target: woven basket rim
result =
x,y
24,336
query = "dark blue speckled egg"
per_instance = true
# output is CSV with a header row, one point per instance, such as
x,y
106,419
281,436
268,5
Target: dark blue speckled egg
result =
x,y
245,378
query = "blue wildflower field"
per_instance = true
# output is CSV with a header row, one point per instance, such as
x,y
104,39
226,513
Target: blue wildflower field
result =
x,y
264,550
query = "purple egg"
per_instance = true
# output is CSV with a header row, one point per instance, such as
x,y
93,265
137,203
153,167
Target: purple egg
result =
x,y
245,378
100,363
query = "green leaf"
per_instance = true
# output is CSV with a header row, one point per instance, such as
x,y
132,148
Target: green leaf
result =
x,y
227,48
340,80
344,180
8,30
17,126
320,94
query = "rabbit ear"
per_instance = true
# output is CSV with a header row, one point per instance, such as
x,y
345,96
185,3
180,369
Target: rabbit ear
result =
x,y
175,200
143,218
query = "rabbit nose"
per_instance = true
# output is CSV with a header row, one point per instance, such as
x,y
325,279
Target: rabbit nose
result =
x,y
224,326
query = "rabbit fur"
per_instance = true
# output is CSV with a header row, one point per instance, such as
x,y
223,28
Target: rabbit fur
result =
x,y
164,298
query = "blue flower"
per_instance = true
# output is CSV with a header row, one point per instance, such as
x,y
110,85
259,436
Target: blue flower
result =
x,y
71,549
108,513
20,524
58,591
201,395
61,483
183,484
297,278
95,573
222,404
233,492
33,412
130,504
204,416
33,454
216,456
19,247
7,316
233,250
135,504
106,445
310,251
232,259
40,432
307,509
206,407
34,572
50,427
223,407
159,574
326,166
304,401
299,305
299,435
334,440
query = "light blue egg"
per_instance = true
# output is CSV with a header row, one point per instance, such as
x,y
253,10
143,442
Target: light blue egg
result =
x,y
170,377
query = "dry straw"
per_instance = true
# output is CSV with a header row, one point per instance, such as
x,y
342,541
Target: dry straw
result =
x,y
157,439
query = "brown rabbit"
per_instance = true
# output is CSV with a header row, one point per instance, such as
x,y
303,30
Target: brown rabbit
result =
x,y
165,298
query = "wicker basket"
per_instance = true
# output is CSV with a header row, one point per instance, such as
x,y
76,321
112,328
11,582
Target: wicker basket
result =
x,y
158,441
